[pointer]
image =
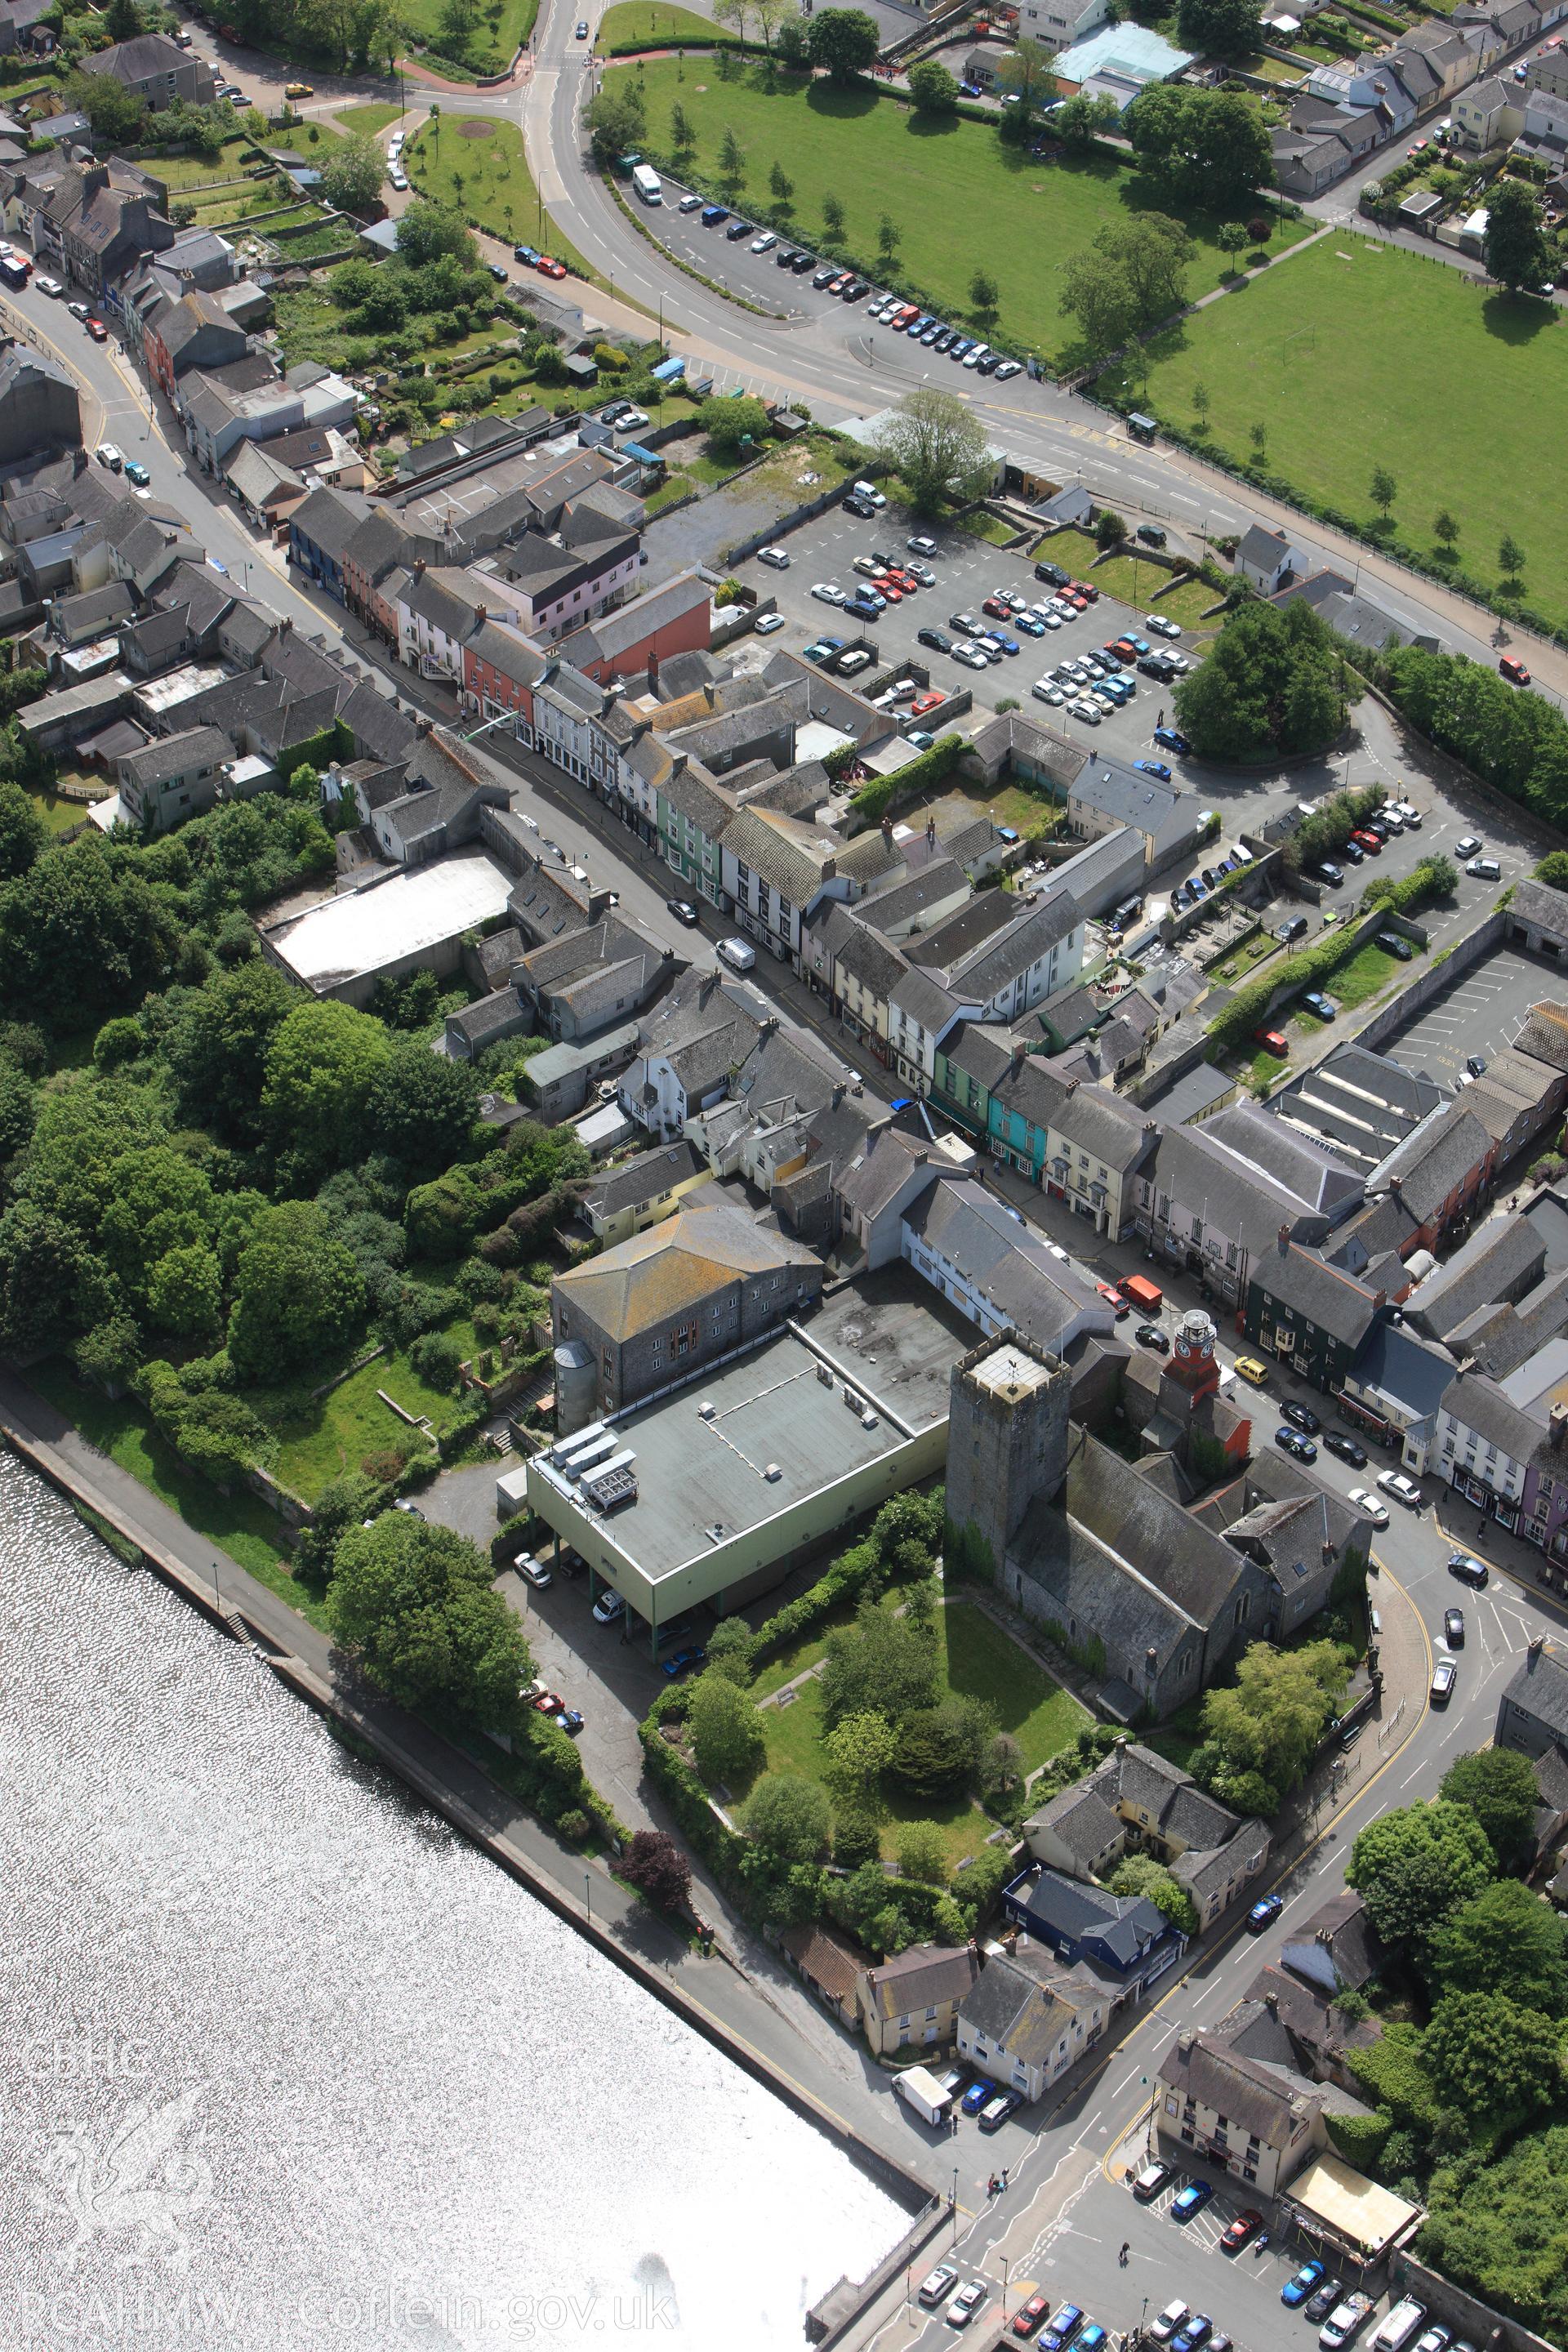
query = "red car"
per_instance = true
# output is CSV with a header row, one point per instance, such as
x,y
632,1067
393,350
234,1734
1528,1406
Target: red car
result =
x,y
1272,1042
548,267
837,285
1513,668
1113,1298
1241,2233
885,585
1082,588
929,700
998,608
550,1703
1071,594
906,581
1369,842
97,330
1034,2313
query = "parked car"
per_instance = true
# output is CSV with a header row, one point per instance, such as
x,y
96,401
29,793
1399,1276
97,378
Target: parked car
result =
x,y
966,2303
1255,1374
1345,2322
777,558
979,2094
1469,1568
1264,1913
1273,1040
1154,768
1401,949
1319,2305
1168,2322
1466,846
608,1607
136,472
1346,1448
1242,2231
1162,624
1295,2290
1151,2181
1150,1336
1032,2316
1301,1416
1403,1490
1291,1441
1513,669
1366,1501
1194,2335
683,1661
1196,2194
1321,1006
533,1571
936,2285
1482,869
995,2112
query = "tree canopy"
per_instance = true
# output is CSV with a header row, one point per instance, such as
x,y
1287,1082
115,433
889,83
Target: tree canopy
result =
x,y
726,1729
787,1816
1504,1939
843,41
322,1062
1211,147
413,1603
1220,28
932,87
1487,2056
881,1664
1514,245
352,173
1133,274
1414,1867
1499,1787
298,1292
1274,682
1270,1720
937,448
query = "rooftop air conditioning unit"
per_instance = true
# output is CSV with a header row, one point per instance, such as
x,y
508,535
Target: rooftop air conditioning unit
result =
x,y
851,1400
824,1376
772,1473
868,1420
706,1409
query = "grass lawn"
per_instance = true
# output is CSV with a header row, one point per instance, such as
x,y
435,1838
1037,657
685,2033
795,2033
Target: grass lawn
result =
x,y
60,815
977,1657
1133,580
1073,550
367,122
240,1522
497,36
1261,1071
1186,604
878,156
180,171
1348,332
1366,974
319,1441
650,24
476,163
989,527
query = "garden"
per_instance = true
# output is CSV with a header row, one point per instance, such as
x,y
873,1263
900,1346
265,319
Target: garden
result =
x,y
871,158
1267,379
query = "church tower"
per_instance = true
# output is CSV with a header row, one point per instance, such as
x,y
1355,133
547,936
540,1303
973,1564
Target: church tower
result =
x,y
1006,1439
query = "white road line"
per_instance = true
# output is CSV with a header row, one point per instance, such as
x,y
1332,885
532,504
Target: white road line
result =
x,y
1412,1776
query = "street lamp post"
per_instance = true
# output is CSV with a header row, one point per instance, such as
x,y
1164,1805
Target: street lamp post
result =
x,y
953,2201
218,1590
587,1894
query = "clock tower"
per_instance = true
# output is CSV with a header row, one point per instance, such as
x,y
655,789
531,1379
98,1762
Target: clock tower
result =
x,y
1194,1368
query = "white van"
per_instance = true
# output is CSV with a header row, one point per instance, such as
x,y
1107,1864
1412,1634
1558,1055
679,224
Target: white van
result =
x,y
648,185
1403,2323
737,954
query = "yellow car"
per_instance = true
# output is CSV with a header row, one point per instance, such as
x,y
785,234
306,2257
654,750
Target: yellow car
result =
x,y
300,89
1255,1374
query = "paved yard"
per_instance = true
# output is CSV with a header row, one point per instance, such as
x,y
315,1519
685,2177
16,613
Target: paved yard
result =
x,y
1484,1011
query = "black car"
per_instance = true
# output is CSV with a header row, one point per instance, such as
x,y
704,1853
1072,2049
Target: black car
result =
x,y
803,262
683,910
862,507
1291,1441
1317,2306
937,639
785,257
1150,1336
1468,1568
1301,1416
1053,574
1346,1448
1454,1628
738,230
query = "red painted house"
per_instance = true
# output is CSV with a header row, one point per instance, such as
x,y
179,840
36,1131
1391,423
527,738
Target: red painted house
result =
x,y
633,640
500,669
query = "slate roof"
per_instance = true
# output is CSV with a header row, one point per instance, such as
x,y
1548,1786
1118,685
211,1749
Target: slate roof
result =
x,y
1337,1941
1545,909
139,58
1189,1564
637,1182
1126,1923
919,1978
1325,1296
328,519
1009,1265
1024,2004
1203,2067
1082,1820
1399,1364
1437,1161
867,1186
175,755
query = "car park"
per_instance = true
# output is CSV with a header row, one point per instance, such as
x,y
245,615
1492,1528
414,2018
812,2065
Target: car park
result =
x,y
1162,624
1466,846
1403,1490
1354,851
775,557
1480,870
1454,1628
1151,2181
1366,1501
1091,2338
1172,738
1081,708
1264,1913
1291,1441
738,230
765,243
1469,1568
1346,1448
827,593
1296,2289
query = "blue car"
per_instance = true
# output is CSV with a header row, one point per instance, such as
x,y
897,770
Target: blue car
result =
x,y
1291,1442
525,253
713,215
1317,1002
1154,768
570,1720
1139,645
1063,2328
1000,637
1029,625
682,1661
979,2094
1190,2199
1092,2339
1295,2290
1196,2331
1264,1913
1172,740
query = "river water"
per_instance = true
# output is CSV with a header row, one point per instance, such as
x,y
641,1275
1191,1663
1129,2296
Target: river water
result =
x,y
286,2065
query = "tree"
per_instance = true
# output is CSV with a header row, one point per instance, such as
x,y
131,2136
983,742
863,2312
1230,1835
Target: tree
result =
x,y
298,1293
881,1665
1500,2228
420,1104
1499,1787
52,1285
941,1749
730,1649
732,421
889,237
1258,435
781,185
116,113
123,20
1445,529
682,131
773,16
1272,1720
413,1603
787,1816
1102,301
726,1729
1231,238
1415,1866
984,295
1274,682
832,220
428,232
844,42
922,1852
1079,121
217,1045
83,928
731,161
185,1293
1487,2056
352,173
1109,530
323,1063
22,833
1510,562
732,16
1514,247
656,1866
1385,489
1024,77
1139,1874
1211,146
938,449
859,1749
932,87
617,119
1219,29
1504,1939
456,26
